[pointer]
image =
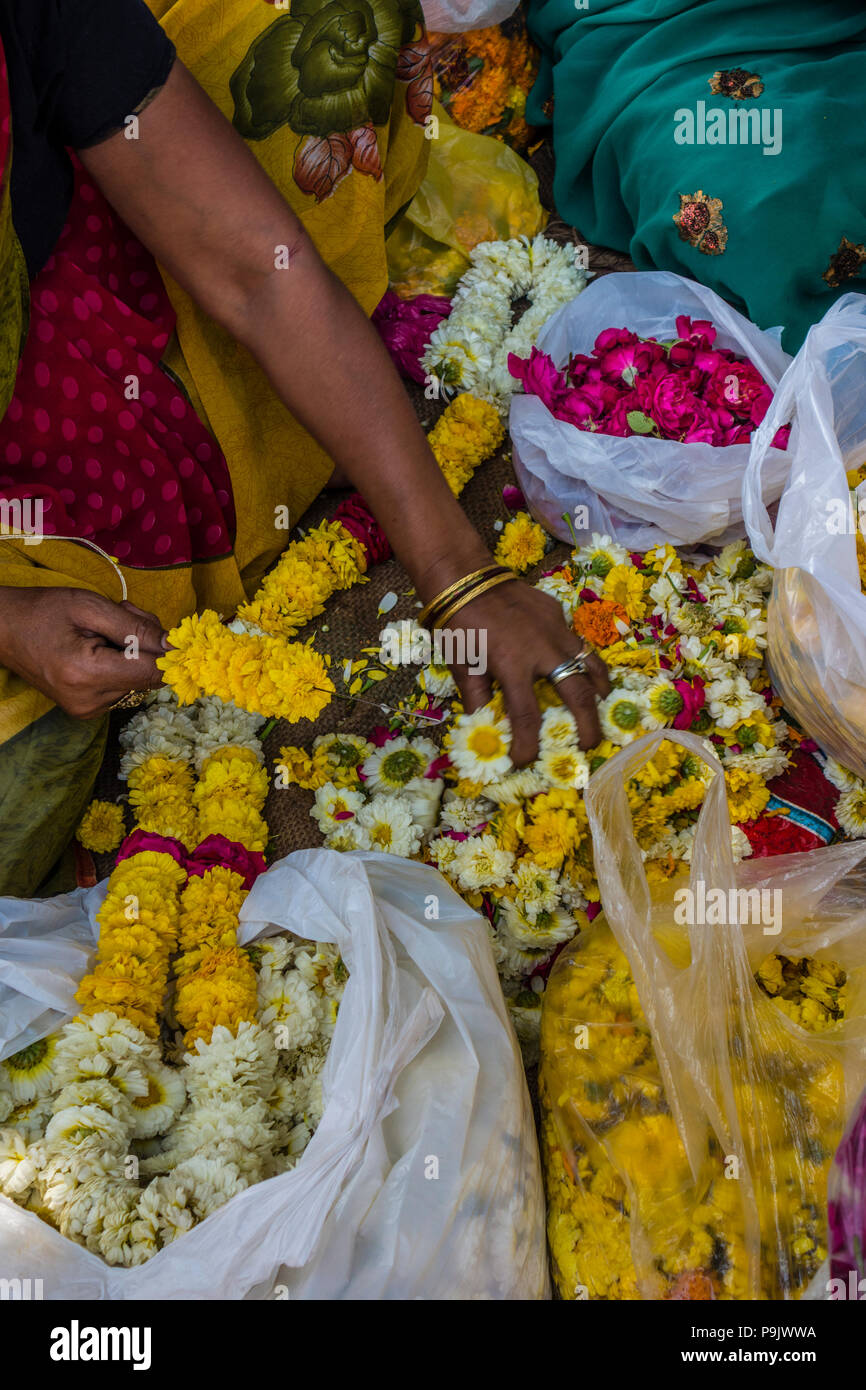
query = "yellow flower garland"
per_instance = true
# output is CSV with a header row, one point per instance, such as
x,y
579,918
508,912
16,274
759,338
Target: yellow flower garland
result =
x,y
137,936
216,981
466,434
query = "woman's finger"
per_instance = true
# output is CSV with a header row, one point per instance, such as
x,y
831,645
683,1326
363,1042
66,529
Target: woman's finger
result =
x,y
579,696
524,716
597,674
475,691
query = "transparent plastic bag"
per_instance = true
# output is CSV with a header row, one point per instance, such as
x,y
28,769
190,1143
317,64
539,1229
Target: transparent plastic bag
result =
x,y
688,1120
423,1066
816,644
456,16
639,490
476,189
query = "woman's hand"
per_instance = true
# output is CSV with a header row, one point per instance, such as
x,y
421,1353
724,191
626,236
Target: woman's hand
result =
x,y
525,636
79,648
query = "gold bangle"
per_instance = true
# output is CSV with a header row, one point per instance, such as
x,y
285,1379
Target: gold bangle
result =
x,y
480,589
446,594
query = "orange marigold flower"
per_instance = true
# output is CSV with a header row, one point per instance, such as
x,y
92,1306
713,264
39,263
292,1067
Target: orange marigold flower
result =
x,y
596,622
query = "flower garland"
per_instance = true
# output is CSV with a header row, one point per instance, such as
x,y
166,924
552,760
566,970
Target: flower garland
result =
x,y
470,350
95,1110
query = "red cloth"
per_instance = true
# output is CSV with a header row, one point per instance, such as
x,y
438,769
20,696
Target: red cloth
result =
x,y
143,478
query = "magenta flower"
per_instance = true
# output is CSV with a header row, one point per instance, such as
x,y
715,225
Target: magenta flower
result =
x,y
693,698
539,375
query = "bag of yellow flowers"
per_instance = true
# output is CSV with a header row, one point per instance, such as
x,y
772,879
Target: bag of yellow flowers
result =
x,y
703,1043
816,648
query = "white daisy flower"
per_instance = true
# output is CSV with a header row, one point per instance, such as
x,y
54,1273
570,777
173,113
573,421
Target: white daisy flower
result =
x,y
851,811
479,746
31,1072
400,764
545,930
564,767
600,554
558,728
334,807
624,716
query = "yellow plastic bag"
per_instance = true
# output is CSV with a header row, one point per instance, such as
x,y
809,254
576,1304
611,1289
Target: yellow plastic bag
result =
x,y
476,189
690,1111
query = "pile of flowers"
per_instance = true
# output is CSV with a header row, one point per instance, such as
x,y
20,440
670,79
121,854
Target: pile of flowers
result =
x,y
470,350
156,1105
615,1161
685,390
483,78
684,645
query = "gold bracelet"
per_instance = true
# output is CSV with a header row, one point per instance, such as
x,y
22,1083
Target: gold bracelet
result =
x,y
449,593
480,589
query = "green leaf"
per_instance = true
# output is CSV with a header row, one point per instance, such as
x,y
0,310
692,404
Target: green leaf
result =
x,y
640,423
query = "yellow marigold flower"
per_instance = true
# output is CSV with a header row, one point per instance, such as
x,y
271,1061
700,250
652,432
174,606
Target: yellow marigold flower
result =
x,y
228,774
223,815
176,820
222,991
551,837
521,544
296,767
747,794
101,829
466,434
624,584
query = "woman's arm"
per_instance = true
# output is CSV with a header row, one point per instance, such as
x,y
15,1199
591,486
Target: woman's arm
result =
x,y
196,196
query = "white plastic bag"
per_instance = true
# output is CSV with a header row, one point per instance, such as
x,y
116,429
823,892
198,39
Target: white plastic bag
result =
x,y
423,1066
642,491
817,613
456,16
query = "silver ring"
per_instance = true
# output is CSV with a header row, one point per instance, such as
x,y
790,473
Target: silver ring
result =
x,y
575,666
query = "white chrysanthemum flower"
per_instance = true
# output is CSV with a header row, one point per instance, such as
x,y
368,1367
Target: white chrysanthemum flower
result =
x,y
209,1182
517,961
7,1100
18,1163
298,1139
740,844
516,787
437,682
96,1091
766,762
564,767
537,890
465,813
387,819
161,730
32,1072
479,863
624,716
479,745
442,851
558,728
88,1126
221,724
731,700
30,1119
277,952
851,811
541,932
347,836
839,776
399,765
154,1112
735,561
288,1006
91,1045
165,1207
334,807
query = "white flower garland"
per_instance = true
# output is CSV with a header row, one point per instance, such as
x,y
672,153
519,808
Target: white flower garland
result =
x,y
469,350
